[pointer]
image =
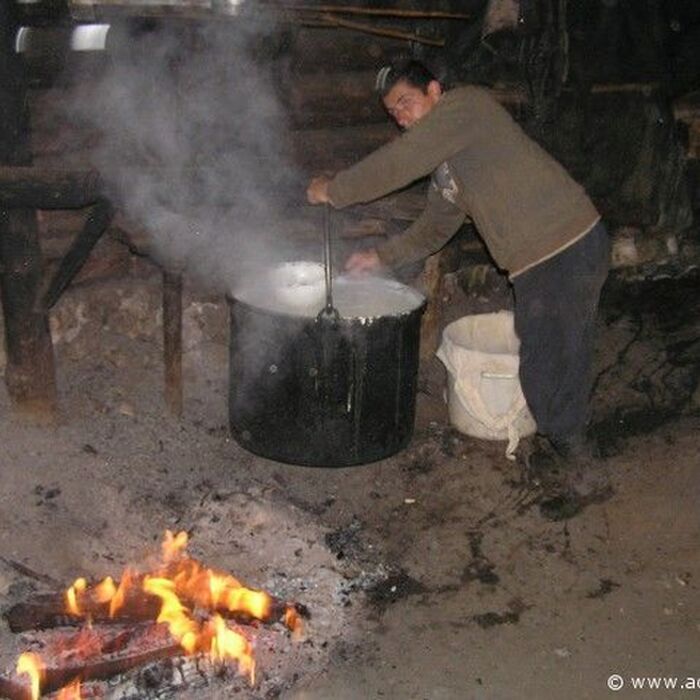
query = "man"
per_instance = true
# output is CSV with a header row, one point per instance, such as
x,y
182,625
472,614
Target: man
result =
x,y
537,223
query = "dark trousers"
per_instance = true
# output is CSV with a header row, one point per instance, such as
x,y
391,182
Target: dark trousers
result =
x,y
556,304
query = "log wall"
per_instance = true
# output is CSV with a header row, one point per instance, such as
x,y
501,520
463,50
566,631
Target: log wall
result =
x,y
325,84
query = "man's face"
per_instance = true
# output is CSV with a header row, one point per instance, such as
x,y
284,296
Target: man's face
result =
x,y
407,104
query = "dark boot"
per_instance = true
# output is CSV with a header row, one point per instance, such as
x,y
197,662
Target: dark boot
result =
x,y
570,466
543,464
583,472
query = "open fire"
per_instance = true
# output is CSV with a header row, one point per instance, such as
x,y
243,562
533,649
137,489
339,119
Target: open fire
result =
x,y
190,609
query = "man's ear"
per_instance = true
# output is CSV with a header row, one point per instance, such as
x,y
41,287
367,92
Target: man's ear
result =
x,y
434,89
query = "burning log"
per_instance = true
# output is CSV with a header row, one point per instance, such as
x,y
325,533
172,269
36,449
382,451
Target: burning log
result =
x,y
327,19
184,604
46,611
49,610
137,598
100,655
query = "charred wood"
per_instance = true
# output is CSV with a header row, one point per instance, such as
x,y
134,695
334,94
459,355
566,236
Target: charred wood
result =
x,y
48,610
113,654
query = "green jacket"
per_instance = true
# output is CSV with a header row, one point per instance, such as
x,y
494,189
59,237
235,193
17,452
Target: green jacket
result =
x,y
524,204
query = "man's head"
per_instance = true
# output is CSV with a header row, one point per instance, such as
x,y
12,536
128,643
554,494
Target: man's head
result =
x,y
408,90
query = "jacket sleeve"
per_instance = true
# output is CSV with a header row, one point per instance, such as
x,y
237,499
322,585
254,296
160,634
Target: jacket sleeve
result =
x,y
409,157
430,232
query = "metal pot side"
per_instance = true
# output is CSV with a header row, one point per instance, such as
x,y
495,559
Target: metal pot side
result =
x,y
320,393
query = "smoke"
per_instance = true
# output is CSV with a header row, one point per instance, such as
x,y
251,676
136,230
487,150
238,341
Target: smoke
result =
x,y
193,140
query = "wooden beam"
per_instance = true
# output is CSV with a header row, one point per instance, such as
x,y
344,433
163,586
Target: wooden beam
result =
x,y
332,20
377,11
95,225
42,188
30,374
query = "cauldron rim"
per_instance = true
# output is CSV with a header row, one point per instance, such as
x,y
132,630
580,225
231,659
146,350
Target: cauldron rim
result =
x,y
342,320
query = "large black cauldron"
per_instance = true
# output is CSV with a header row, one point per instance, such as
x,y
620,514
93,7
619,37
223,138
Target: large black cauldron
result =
x,y
319,392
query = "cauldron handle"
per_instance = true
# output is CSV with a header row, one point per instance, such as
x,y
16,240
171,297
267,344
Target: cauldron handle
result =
x,y
328,311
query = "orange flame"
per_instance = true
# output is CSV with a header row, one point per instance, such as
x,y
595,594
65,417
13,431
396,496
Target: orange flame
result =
x,y
183,586
174,545
70,691
173,613
73,594
105,590
31,664
125,583
227,644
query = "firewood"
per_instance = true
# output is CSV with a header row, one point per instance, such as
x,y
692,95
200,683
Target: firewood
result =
x,y
45,611
48,610
136,647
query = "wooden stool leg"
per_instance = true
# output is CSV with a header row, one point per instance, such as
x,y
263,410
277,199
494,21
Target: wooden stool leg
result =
x,y
431,279
30,374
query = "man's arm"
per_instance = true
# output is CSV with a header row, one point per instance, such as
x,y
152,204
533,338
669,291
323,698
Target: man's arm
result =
x,y
430,232
433,228
411,156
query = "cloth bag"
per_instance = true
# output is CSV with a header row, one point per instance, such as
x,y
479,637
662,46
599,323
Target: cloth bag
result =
x,y
484,396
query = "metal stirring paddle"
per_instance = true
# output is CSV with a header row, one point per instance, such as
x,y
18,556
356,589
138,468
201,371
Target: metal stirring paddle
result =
x,y
328,311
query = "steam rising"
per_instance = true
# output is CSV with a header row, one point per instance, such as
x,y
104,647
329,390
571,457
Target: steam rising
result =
x,y
193,141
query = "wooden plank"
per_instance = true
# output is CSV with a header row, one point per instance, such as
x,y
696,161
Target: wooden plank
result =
x,y
42,188
334,149
29,374
334,99
317,50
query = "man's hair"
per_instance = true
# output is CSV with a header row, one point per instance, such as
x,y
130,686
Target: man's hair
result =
x,y
411,71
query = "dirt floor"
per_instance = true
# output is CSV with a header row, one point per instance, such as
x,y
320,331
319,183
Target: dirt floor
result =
x,y
433,574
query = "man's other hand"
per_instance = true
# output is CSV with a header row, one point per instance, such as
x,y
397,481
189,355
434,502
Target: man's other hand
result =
x,y
317,191
363,261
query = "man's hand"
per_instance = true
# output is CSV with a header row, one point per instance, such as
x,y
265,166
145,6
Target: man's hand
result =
x,y
363,261
317,191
